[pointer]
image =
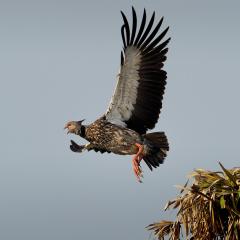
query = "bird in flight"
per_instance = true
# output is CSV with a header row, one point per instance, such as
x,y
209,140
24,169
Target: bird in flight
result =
x,y
136,102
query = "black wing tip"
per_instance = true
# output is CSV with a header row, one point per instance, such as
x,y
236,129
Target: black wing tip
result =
x,y
167,28
153,16
129,36
134,26
161,21
144,12
123,15
168,40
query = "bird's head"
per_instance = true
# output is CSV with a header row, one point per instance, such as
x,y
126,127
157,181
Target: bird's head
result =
x,y
74,127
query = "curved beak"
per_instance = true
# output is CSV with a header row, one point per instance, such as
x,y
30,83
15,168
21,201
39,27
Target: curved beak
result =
x,y
66,127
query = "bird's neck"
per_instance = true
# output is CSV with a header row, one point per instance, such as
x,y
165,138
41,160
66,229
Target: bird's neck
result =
x,y
82,131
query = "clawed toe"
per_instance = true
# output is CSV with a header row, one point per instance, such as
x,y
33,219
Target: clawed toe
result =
x,y
137,170
136,163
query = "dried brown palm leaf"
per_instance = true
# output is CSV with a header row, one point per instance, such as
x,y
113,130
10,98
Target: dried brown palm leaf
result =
x,y
209,208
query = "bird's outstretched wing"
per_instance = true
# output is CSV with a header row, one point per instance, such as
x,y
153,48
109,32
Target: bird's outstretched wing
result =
x,y
79,148
137,98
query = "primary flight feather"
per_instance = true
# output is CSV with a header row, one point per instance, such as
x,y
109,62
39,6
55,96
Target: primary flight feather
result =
x,y
137,100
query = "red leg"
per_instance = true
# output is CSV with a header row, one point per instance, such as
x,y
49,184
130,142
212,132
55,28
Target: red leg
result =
x,y
136,162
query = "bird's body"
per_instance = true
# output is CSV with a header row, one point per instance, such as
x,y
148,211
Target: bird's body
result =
x,y
111,137
136,102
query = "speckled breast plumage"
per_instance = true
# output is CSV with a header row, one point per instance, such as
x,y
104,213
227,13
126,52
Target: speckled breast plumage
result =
x,y
119,140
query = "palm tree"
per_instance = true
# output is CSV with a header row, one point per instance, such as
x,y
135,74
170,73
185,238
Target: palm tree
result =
x,y
209,208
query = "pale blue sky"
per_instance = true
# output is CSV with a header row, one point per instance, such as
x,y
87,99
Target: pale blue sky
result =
x,y
58,62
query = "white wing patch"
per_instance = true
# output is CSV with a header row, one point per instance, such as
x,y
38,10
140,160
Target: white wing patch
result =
x,y
125,94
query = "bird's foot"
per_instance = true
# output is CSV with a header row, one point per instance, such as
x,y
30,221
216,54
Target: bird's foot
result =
x,y
136,163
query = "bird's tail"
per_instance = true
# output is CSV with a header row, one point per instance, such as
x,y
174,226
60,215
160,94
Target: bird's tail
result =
x,y
155,149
